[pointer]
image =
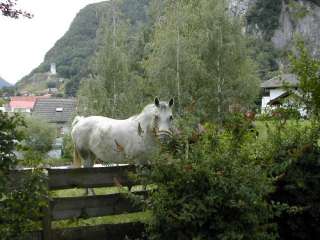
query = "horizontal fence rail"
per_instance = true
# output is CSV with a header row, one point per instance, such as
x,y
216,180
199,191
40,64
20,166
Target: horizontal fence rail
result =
x,y
90,177
93,206
108,231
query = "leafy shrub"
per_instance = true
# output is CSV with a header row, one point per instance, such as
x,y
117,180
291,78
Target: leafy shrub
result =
x,y
292,151
20,210
67,148
212,189
9,136
20,198
296,153
38,140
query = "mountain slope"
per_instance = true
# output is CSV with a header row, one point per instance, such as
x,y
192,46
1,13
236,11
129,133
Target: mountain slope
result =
x,y
73,52
4,83
276,22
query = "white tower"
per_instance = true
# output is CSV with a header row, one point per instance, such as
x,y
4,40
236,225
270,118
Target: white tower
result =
x,y
53,70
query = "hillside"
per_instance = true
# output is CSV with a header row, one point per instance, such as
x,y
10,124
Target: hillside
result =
x,y
271,23
73,52
4,83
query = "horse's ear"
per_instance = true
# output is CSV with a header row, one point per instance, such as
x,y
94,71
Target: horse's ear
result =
x,y
157,102
171,102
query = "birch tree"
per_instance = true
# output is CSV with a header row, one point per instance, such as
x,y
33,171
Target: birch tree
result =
x,y
105,91
199,54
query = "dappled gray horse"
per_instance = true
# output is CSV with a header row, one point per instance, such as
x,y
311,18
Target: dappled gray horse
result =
x,y
121,141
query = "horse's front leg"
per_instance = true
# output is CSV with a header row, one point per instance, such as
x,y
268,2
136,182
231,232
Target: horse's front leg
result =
x,y
89,162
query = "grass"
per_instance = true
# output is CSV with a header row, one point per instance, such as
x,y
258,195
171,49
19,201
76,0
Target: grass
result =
x,y
114,219
263,126
78,192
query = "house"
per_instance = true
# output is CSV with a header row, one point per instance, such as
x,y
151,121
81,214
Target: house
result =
x,y
24,104
275,90
59,111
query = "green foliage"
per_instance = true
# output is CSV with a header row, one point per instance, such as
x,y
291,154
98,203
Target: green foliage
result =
x,y
38,140
295,151
67,147
308,71
212,189
9,136
199,55
292,151
116,88
74,52
20,208
265,55
7,91
52,84
298,11
20,199
265,15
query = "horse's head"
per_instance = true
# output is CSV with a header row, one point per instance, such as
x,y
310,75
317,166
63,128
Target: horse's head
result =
x,y
163,120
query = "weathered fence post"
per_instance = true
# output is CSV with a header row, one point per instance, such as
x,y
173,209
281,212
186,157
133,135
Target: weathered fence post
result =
x,y
46,224
46,219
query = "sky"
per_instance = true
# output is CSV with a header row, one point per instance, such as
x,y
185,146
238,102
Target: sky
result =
x,y
24,42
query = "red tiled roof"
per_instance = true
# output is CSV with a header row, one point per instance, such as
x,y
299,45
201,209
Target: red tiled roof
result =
x,y
23,102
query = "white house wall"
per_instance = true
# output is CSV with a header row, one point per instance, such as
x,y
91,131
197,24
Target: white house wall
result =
x,y
274,93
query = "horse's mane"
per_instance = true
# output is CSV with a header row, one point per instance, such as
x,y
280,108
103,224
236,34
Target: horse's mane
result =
x,y
151,108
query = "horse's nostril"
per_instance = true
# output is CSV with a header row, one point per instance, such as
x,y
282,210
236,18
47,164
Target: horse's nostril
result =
x,y
164,137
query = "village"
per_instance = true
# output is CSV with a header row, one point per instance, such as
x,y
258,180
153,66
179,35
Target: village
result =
x,y
277,92
160,119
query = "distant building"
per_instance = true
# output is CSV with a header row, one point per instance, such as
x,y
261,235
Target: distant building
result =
x,y
24,104
59,111
53,69
278,89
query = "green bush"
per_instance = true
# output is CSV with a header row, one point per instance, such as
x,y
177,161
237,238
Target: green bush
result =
x,y
212,189
67,148
296,157
38,140
20,198
296,153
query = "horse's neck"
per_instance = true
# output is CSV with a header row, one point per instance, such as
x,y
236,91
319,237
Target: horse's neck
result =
x,y
145,119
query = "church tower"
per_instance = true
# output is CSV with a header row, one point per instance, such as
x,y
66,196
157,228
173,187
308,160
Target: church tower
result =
x,y
53,69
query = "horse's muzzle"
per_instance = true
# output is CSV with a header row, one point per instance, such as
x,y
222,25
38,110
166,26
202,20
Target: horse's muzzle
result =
x,y
164,136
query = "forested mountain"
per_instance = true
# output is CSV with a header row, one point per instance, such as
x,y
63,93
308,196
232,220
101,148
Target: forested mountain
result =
x,y
73,52
4,83
272,25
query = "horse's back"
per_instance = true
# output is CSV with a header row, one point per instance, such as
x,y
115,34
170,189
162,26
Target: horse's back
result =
x,y
106,138
84,128
91,129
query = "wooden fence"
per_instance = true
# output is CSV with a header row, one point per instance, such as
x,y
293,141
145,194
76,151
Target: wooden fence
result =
x,y
90,206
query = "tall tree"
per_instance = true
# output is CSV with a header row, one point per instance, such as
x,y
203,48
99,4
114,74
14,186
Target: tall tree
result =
x,y
110,91
8,9
199,54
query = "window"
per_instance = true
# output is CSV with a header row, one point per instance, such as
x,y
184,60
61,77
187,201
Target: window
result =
x,y
266,92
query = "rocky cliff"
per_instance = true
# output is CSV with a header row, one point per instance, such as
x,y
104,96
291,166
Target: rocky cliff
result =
x,y
281,21
298,18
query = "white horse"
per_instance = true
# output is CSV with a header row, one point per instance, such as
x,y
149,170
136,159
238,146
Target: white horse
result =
x,y
122,141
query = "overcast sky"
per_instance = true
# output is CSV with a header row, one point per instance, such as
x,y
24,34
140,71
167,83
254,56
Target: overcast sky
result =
x,y
24,42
